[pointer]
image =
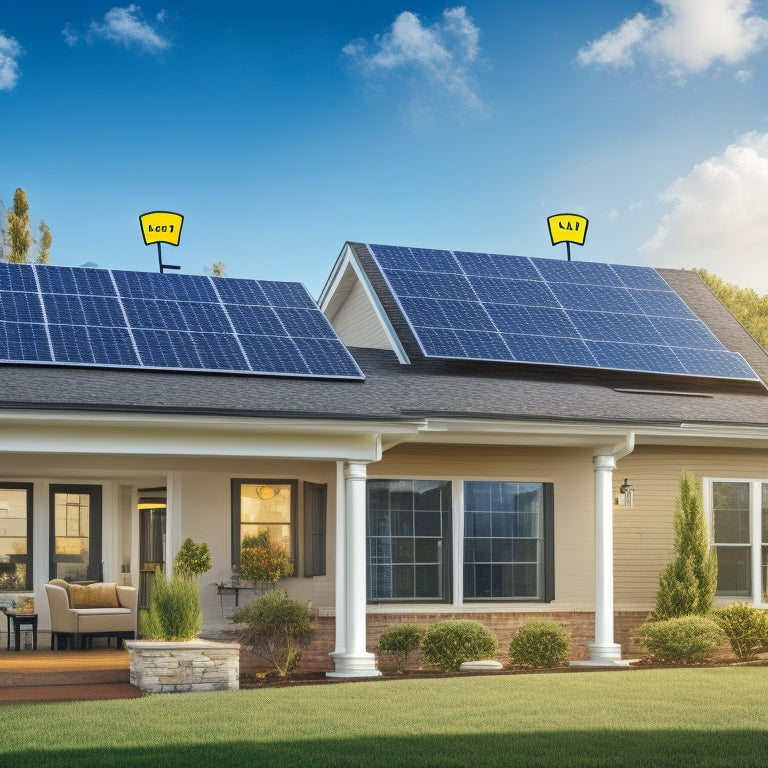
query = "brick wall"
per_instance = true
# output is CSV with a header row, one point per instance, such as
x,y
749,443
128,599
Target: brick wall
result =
x,y
503,625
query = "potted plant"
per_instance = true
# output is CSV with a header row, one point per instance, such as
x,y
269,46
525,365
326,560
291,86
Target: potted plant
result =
x,y
171,658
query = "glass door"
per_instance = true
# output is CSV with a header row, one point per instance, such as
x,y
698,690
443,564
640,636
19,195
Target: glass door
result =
x,y
75,533
152,518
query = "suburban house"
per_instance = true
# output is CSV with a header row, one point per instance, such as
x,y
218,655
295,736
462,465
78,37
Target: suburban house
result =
x,y
444,434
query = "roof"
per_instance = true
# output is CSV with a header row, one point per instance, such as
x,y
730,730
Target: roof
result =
x,y
425,387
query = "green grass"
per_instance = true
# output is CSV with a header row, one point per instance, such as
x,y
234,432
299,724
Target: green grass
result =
x,y
676,717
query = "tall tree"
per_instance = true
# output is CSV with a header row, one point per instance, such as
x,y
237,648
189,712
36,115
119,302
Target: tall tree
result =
x,y
687,585
46,238
18,227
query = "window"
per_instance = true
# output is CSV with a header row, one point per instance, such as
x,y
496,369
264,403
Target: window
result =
x,y
15,536
739,524
409,525
75,520
264,505
505,541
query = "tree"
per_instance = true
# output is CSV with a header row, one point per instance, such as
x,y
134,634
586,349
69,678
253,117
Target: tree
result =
x,y
745,304
46,238
219,269
18,228
687,584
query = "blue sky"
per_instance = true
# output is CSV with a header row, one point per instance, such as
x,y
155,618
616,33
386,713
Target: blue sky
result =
x,y
281,130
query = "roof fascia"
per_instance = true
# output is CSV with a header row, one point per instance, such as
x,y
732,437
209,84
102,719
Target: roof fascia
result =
x,y
348,259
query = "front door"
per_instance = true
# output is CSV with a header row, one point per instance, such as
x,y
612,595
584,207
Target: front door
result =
x,y
75,533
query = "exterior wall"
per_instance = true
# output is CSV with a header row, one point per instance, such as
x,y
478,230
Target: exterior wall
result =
x,y
357,324
643,533
571,472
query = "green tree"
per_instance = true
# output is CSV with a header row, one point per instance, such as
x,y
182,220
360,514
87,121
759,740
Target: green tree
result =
x,y
687,584
219,269
745,304
18,228
46,238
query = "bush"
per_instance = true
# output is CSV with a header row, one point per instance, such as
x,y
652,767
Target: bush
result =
x,y
540,644
262,560
192,559
448,644
684,640
746,628
400,641
277,628
174,610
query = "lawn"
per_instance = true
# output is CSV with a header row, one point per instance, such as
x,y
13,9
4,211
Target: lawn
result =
x,y
673,717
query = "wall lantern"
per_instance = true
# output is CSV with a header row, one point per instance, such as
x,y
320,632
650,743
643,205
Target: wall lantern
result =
x,y
626,495
265,492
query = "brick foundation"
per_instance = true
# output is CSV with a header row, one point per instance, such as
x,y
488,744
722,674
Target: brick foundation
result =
x,y
503,625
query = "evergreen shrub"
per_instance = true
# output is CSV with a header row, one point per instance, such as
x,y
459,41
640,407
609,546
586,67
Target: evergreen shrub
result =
x,y
400,641
277,628
682,640
745,626
540,644
174,611
448,644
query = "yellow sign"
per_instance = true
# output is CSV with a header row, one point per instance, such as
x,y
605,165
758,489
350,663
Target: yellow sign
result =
x,y
567,228
161,227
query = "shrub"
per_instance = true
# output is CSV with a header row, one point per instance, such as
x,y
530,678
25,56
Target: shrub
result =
x,y
400,641
540,644
687,584
192,559
174,611
746,628
448,644
684,640
262,560
277,628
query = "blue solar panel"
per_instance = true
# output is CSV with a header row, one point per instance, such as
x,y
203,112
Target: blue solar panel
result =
x,y
480,306
95,317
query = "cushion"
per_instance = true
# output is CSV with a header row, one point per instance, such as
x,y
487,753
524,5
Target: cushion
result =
x,y
61,583
99,595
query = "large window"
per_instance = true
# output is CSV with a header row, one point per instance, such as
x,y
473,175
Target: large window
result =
x,y
15,536
505,549
75,532
264,505
409,524
504,527
739,517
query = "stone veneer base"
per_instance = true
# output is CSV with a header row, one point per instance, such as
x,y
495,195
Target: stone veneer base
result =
x,y
180,667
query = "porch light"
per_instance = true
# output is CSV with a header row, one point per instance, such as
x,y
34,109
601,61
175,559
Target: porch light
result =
x,y
626,494
265,492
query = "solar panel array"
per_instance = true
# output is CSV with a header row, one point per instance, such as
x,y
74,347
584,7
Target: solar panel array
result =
x,y
98,317
480,306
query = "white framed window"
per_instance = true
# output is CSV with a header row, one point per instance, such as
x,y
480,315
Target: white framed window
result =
x,y
738,518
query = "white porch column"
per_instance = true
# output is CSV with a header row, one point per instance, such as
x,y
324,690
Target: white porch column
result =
x,y
604,650
353,660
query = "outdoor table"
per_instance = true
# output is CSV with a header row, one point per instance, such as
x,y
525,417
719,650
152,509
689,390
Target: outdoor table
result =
x,y
17,621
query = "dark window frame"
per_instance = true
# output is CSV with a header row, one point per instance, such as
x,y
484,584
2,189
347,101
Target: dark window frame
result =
x,y
29,488
315,497
96,492
236,484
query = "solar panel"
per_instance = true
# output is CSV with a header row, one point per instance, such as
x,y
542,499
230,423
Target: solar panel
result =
x,y
98,317
481,306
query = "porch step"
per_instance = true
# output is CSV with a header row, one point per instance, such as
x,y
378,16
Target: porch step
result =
x,y
65,675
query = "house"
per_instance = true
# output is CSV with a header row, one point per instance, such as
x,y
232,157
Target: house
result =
x,y
455,435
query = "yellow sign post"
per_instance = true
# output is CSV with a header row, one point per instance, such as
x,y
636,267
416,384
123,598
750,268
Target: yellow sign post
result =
x,y
567,228
161,227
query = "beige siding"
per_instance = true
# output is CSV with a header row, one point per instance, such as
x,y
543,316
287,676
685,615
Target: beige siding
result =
x,y
357,324
643,533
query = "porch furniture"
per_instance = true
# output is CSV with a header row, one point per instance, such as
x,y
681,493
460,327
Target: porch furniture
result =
x,y
18,621
79,614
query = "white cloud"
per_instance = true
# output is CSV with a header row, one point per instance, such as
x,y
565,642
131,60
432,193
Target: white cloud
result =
x,y
71,37
743,75
10,50
688,37
441,54
126,26
719,216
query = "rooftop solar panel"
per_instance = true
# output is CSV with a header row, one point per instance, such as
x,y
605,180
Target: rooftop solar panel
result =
x,y
480,306
97,317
